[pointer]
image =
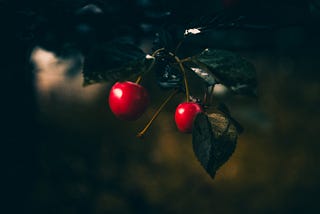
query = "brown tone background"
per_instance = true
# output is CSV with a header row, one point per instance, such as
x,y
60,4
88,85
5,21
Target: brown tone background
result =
x,y
64,152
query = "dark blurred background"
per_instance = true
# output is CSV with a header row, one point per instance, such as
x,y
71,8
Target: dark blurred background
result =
x,y
64,152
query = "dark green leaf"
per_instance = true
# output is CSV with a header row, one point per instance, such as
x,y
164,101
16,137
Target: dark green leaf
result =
x,y
164,39
168,37
205,74
229,69
226,19
214,139
225,110
114,61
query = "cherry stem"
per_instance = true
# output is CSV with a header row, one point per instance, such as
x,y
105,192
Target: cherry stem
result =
x,y
139,79
143,131
151,65
184,76
188,59
157,51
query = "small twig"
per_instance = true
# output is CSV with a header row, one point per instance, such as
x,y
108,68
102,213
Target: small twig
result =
x,y
143,131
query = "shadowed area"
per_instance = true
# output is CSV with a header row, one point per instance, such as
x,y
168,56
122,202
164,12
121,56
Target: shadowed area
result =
x,y
92,162
64,151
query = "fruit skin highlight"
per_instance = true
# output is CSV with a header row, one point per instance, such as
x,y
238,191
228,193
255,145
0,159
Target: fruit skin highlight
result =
x,y
128,100
185,115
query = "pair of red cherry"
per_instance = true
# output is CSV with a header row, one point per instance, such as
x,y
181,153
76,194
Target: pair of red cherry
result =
x,y
128,101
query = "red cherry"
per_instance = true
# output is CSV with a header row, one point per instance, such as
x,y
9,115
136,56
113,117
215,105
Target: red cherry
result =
x,y
185,115
128,100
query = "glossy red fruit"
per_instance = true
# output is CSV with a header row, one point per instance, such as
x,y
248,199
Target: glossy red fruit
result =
x,y
185,115
128,100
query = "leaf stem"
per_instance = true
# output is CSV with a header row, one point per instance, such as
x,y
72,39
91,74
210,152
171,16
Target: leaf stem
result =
x,y
211,94
178,46
143,131
208,95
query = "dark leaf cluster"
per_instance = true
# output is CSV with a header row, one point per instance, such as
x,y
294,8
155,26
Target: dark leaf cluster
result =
x,y
215,133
